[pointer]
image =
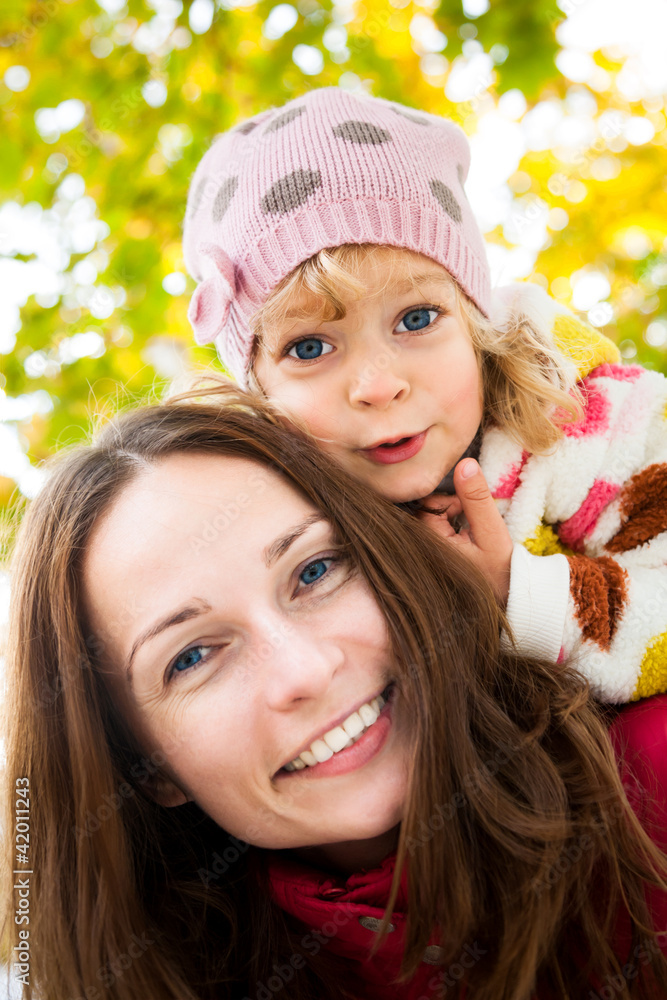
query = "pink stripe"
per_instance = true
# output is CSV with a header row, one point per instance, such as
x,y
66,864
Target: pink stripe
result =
x,y
508,483
574,530
596,415
621,373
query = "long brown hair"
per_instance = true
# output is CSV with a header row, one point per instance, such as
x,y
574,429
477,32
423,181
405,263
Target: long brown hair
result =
x,y
515,816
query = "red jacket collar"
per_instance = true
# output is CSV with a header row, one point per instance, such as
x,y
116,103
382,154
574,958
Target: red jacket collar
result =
x,y
343,914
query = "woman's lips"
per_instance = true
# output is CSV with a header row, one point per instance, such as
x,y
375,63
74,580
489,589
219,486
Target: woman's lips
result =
x,y
353,757
389,455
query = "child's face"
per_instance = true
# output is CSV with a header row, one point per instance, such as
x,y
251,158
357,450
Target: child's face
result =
x,y
399,367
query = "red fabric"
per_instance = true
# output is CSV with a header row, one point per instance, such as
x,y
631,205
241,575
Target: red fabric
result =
x,y
330,907
639,738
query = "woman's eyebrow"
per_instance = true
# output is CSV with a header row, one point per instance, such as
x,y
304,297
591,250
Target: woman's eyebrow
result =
x,y
174,618
273,552
278,548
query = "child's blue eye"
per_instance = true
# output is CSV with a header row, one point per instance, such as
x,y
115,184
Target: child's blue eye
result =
x,y
309,348
417,319
190,658
314,571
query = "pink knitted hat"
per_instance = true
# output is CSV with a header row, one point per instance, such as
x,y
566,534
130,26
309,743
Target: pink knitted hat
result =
x,y
327,168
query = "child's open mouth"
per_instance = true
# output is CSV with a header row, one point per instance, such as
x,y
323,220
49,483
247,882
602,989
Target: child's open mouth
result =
x,y
390,452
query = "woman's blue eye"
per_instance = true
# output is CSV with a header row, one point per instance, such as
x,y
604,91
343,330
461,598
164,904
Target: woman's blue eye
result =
x,y
417,319
190,658
311,347
314,571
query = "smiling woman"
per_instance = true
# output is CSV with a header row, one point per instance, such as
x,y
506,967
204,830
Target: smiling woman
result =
x,y
186,671
249,695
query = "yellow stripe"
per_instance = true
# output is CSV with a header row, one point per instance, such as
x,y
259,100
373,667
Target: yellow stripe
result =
x,y
653,670
583,345
545,542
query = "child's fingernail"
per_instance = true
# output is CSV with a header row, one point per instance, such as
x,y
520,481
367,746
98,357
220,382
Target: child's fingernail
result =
x,y
468,468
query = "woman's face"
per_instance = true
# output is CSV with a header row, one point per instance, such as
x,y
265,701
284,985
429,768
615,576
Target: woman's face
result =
x,y
235,634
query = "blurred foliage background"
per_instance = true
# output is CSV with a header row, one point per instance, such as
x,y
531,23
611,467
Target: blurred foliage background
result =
x,y
106,107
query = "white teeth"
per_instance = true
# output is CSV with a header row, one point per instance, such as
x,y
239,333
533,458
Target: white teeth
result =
x,y
368,715
354,725
339,738
336,738
321,751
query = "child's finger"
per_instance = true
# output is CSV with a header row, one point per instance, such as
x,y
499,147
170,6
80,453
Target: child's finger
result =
x,y
487,527
439,523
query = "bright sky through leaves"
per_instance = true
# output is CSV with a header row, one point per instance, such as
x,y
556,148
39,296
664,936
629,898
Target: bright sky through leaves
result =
x,y
107,107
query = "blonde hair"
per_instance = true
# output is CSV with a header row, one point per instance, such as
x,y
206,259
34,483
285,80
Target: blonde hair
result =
x,y
528,386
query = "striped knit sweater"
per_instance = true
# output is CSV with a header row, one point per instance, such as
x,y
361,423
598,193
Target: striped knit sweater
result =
x,y
589,521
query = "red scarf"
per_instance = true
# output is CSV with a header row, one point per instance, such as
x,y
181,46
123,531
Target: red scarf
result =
x,y
343,913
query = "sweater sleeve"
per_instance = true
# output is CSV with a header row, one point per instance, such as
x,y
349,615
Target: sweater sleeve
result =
x,y
600,498
537,603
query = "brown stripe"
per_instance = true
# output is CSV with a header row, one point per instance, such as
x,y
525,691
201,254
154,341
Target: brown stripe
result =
x,y
643,509
599,590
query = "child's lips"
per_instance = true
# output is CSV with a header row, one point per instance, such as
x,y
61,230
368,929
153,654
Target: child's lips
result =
x,y
398,450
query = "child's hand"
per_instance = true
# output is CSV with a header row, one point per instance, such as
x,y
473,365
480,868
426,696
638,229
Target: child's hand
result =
x,y
487,541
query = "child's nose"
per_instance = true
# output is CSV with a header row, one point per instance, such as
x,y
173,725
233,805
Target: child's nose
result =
x,y
377,388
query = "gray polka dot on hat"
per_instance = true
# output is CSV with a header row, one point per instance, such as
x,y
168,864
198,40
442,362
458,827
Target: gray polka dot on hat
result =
x,y
357,131
197,196
246,127
223,198
417,119
447,200
284,119
290,191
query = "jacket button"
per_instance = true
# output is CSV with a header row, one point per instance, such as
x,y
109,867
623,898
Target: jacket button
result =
x,y
333,893
433,955
373,924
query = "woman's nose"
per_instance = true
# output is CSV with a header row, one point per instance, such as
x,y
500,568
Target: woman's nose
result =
x,y
377,385
300,665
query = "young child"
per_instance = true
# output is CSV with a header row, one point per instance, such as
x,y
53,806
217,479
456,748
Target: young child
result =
x,y
342,273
